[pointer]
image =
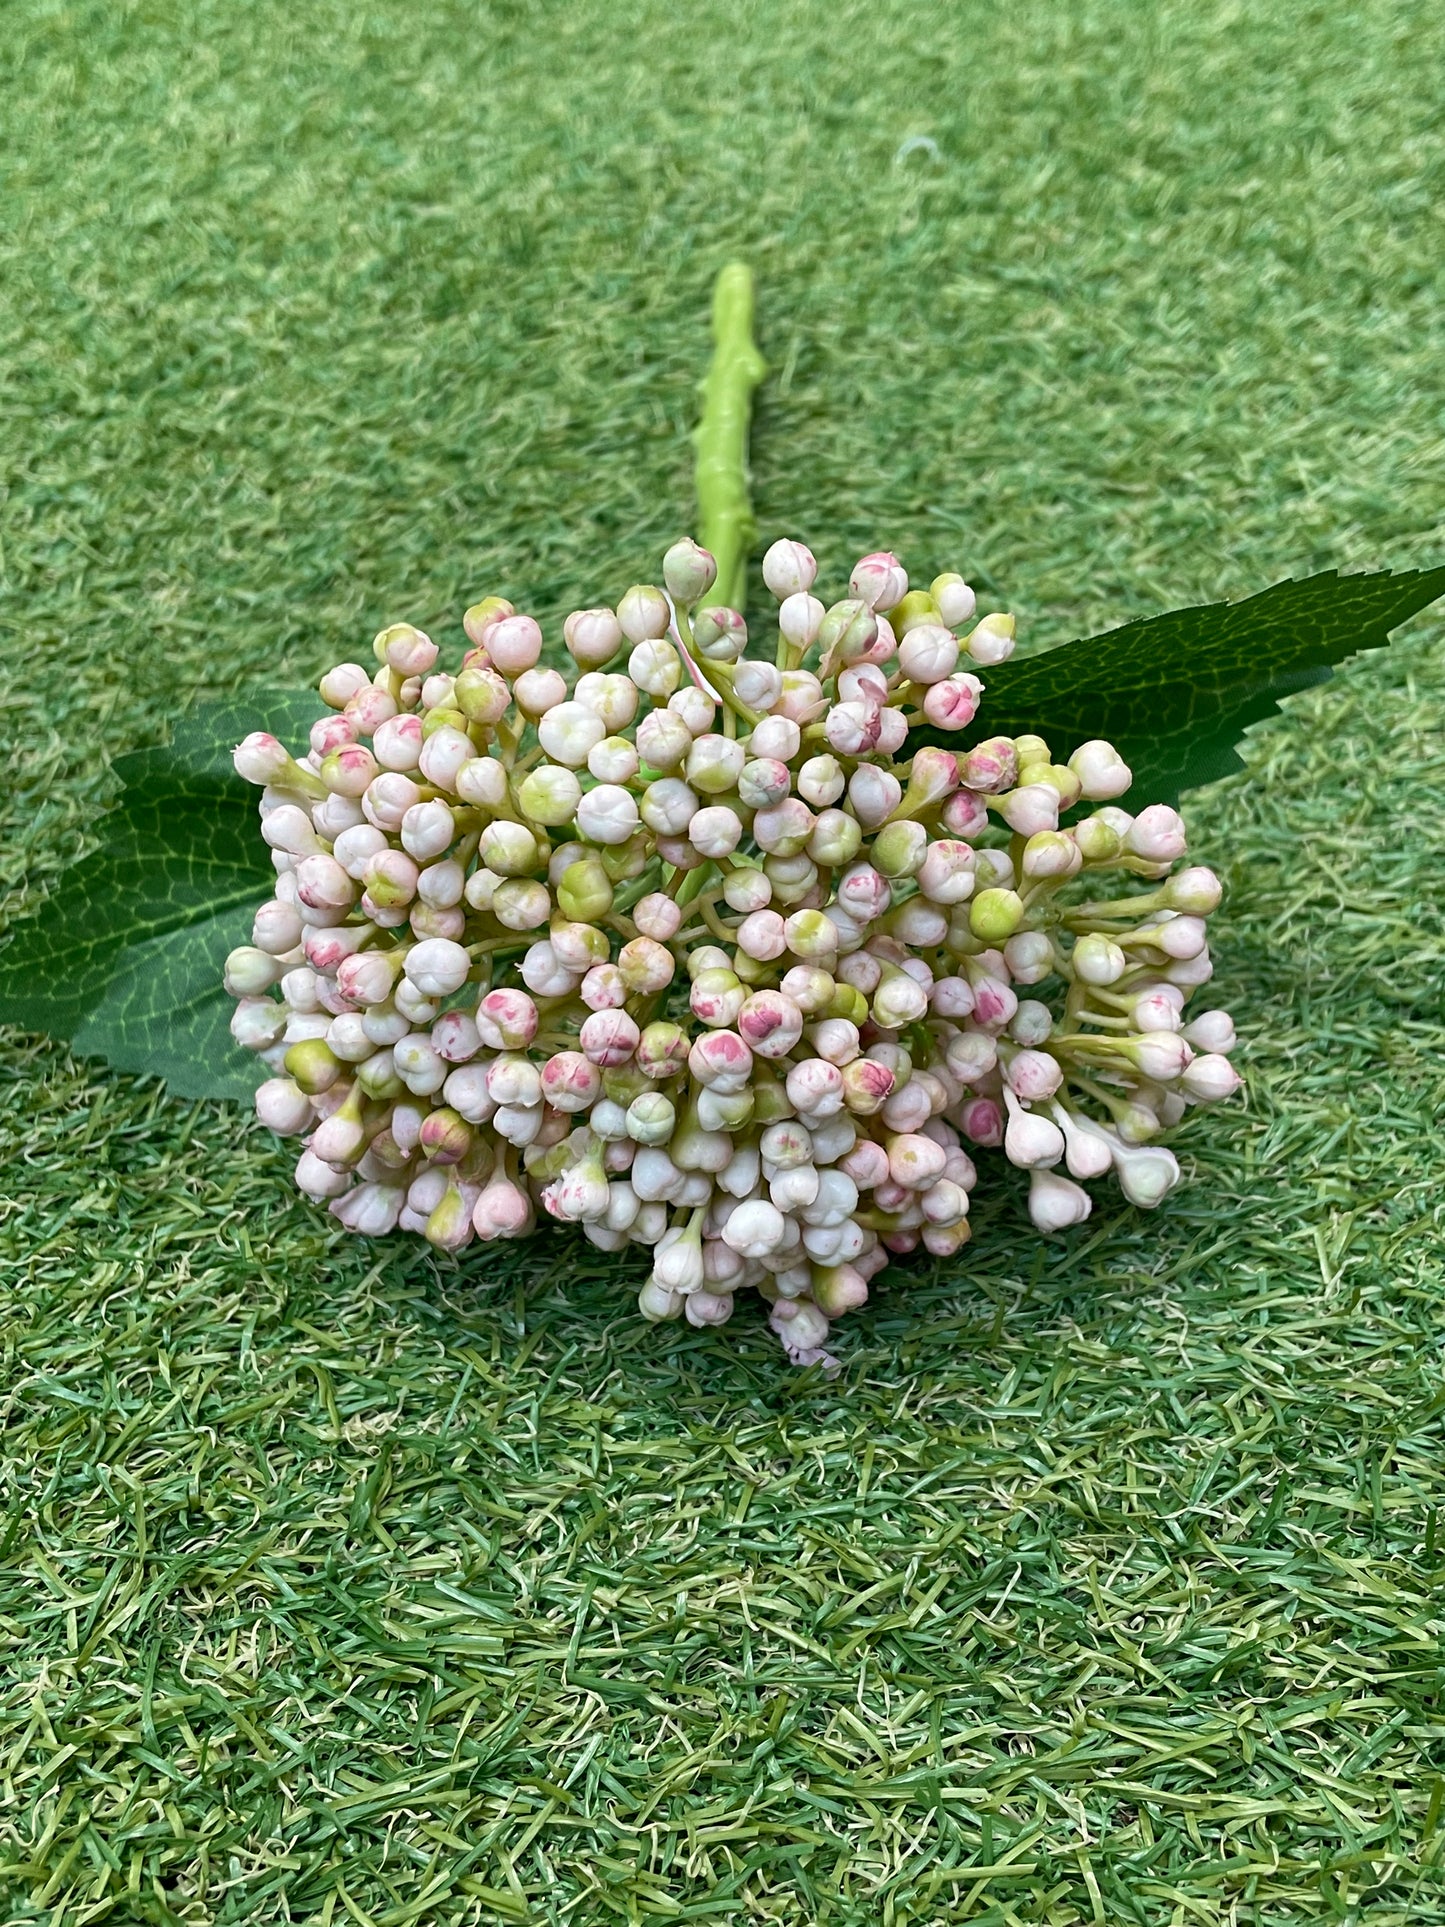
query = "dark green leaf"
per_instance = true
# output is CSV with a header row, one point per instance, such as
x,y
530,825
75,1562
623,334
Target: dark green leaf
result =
x,y
124,959
1174,693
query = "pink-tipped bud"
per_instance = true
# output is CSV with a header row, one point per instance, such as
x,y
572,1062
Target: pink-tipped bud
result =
x,y
879,580
721,1061
982,1123
261,759
506,1019
992,767
952,702
770,1023
339,685
608,1038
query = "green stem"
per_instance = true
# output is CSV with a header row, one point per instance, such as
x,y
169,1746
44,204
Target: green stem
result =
x,y
724,512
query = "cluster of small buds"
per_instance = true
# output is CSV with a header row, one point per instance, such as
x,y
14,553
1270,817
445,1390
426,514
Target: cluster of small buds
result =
x,y
695,950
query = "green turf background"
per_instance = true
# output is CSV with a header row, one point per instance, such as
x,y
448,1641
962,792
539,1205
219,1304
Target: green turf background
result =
x,y
343,1584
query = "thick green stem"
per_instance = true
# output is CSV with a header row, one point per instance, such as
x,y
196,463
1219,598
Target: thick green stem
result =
x,y
724,511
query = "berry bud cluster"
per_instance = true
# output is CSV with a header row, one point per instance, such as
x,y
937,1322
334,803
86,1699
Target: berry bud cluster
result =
x,y
696,949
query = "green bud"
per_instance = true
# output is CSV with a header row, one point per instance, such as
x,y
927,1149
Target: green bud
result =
x,y
377,1077
847,1001
917,608
1030,749
899,850
734,1112
1098,841
435,719
770,1099
750,970
625,1083
490,609
994,915
584,894
313,1065
623,861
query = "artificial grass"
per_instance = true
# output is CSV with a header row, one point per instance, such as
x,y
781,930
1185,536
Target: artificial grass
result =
x,y
344,1583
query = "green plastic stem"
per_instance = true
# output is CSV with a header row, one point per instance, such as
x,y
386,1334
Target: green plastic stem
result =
x,y
724,510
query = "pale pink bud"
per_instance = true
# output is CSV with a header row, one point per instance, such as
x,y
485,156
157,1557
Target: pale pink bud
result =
x,y
1031,809
762,936
537,690
800,618
1097,959
776,739
789,569
502,1210
1101,770
276,928
482,782
288,827
946,874
874,794
603,988
388,798
397,744
607,814
914,1161
1197,891
1179,937
801,696
370,708
1211,1031
992,642
1210,1078
332,732
428,830
544,973
643,614
1160,1055
816,1088
322,884
613,698
928,654
339,685
592,636
853,728
1156,834
581,1194
514,644
1033,1074
369,977
759,686
570,732
689,571
437,967
282,1106
880,580
1056,1204
754,1229
260,758
1030,1140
